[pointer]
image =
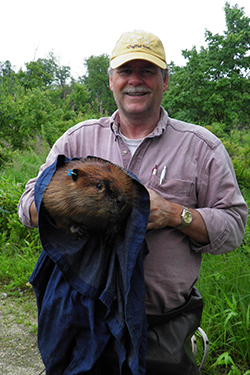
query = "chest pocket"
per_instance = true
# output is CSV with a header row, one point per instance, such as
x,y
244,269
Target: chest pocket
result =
x,y
174,190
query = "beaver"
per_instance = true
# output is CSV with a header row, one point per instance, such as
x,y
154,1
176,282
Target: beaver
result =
x,y
90,195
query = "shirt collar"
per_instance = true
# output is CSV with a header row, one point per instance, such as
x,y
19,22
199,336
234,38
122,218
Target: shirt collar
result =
x,y
158,130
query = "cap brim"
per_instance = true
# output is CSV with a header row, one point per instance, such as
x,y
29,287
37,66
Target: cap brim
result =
x,y
120,60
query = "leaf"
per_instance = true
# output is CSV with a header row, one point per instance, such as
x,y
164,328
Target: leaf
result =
x,y
224,359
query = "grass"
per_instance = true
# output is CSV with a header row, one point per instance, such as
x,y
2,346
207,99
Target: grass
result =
x,y
224,285
19,247
17,260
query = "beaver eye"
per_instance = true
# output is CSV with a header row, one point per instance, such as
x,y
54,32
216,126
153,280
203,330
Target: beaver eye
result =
x,y
74,174
99,186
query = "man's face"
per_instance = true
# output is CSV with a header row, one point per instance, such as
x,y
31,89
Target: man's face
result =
x,y
138,88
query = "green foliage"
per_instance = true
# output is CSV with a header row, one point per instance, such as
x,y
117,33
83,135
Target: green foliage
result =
x,y
8,200
6,69
43,73
18,259
5,152
35,75
226,359
79,98
14,175
238,147
45,98
19,246
224,285
97,81
214,85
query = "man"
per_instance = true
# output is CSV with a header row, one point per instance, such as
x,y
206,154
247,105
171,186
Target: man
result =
x,y
195,203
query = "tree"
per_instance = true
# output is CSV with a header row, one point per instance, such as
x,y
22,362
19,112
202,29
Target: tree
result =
x,y
41,99
79,98
214,86
44,73
6,69
62,74
97,82
36,75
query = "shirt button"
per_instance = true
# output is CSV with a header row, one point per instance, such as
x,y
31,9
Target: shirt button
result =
x,y
125,152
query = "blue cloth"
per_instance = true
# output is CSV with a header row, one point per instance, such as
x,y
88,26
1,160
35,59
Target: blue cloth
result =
x,y
88,292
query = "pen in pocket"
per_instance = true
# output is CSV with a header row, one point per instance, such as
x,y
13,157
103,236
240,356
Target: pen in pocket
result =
x,y
154,170
163,174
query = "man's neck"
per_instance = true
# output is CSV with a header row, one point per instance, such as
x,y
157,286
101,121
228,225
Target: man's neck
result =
x,y
137,128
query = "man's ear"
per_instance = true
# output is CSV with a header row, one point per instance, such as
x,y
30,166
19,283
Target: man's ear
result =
x,y
110,83
165,84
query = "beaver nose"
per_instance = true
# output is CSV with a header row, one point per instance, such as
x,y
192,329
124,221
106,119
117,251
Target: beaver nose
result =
x,y
121,201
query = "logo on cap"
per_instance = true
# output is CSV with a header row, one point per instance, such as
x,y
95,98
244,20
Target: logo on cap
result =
x,y
139,42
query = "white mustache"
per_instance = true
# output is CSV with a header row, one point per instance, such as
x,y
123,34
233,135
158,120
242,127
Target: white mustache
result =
x,y
136,90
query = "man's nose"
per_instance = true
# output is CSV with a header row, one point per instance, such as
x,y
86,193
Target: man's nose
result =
x,y
135,78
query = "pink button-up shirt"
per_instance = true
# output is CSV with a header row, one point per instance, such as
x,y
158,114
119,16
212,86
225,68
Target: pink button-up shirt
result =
x,y
199,174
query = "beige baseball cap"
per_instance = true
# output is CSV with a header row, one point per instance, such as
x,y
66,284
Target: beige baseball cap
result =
x,y
138,45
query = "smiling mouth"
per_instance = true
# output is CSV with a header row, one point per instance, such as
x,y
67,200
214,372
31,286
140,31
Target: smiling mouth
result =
x,y
138,91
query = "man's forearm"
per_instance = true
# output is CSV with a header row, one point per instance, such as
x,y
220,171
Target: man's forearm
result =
x,y
197,230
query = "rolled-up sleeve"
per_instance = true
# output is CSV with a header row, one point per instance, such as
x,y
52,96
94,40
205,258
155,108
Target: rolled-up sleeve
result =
x,y
25,202
221,204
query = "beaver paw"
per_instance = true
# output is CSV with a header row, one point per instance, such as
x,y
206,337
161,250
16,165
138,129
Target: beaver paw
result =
x,y
78,230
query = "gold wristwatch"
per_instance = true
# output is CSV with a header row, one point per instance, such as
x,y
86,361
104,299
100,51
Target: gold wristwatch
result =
x,y
186,218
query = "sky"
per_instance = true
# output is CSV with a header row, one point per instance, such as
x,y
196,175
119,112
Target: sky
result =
x,y
77,29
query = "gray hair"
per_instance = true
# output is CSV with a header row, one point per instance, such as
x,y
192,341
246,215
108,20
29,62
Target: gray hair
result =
x,y
164,73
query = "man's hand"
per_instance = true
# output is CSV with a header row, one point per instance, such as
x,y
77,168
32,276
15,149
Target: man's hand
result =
x,y
164,213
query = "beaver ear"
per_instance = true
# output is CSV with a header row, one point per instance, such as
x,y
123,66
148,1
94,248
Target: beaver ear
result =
x,y
73,174
109,166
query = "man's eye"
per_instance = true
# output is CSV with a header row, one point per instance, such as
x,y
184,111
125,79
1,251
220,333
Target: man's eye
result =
x,y
125,71
148,71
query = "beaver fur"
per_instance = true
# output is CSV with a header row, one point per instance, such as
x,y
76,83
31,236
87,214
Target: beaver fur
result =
x,y
90,195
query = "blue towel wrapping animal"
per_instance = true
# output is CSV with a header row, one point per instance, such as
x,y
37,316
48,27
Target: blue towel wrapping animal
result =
x,y
89,291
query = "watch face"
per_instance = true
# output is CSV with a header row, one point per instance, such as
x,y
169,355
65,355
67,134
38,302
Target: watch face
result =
x,y
187,217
